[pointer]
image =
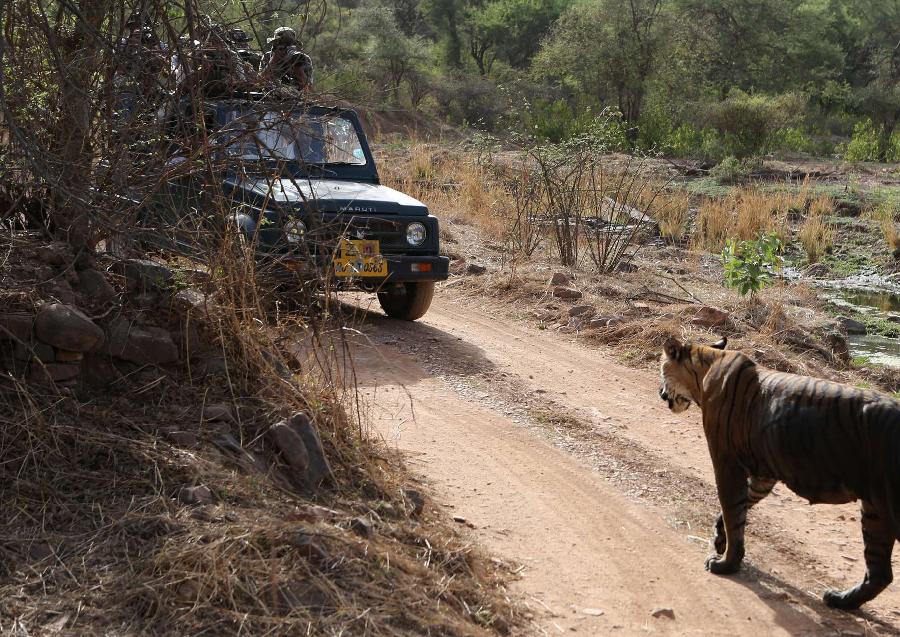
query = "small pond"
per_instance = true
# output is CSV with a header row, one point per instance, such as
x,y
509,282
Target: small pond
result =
x,y
875,297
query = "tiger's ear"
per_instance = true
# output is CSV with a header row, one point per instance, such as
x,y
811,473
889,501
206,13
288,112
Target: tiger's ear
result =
x,y
673,348
720,344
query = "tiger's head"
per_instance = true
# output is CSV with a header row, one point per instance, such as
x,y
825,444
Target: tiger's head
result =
x,y
681,373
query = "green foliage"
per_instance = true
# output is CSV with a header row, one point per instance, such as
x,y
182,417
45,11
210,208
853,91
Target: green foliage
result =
x,y
728,171
867,145
749,265
556,122
749,123
605,50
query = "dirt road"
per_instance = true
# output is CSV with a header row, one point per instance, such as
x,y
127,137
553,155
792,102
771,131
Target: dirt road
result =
x,y
568,464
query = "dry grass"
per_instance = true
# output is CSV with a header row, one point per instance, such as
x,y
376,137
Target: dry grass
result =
x,y
670,209
886,217
95,540
816,234
745,213
454,186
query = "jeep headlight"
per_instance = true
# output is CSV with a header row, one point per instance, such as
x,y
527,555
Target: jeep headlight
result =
x,y
416,233
295,231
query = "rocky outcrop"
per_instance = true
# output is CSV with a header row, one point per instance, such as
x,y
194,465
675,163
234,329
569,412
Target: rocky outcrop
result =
x,y
66,327
143,345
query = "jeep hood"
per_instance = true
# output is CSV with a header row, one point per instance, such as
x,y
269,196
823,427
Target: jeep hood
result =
x,y
326,195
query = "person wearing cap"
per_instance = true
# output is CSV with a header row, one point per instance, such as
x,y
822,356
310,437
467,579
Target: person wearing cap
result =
x,y
239,39
285,59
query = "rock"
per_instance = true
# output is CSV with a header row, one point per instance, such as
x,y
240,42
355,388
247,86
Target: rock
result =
x,y
560,278
581,310
817,271
65,356
53,372
459,519
190,301
708,316
562,292
40,551
95,286
663,611
144,276
851,326
218,412
458,266
291,447
67,328
306,546
836,342
605,321
34,350
57,253
476,269
189,341
61,291
363,527
188,592
16,326
626,266
211,365
416,499
145,301
140,344
199,494
595,612
319,468
97,369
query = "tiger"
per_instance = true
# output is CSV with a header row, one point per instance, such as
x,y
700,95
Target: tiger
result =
x,y
828,442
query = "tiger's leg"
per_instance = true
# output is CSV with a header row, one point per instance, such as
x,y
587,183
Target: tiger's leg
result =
x,y
731,483
759,488
878,538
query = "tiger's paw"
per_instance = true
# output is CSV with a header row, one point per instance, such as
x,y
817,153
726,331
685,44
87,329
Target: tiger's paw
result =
x,y
842,600
719,540
719,566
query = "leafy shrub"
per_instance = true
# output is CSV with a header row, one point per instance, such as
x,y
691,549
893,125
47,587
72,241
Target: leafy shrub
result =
x,y
728,171
750,265
865,144
654,130
748,123
555,122
791,139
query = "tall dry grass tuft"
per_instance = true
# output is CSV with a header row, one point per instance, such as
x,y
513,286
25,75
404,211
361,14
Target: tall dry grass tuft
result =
x,y
455,187
744,213
670,209
885,215
816,234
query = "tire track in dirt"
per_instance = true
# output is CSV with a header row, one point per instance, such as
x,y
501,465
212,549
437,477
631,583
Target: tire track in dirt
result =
x,y
587,480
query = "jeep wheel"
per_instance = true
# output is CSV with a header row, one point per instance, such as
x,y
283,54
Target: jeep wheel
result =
x,y
407,301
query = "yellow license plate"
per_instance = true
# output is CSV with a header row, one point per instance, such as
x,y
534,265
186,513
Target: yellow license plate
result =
x,y
358,257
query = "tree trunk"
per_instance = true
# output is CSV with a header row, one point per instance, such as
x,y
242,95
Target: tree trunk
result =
x,y
80,62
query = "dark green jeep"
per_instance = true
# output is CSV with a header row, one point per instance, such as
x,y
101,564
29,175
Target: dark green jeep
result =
x,y
305,192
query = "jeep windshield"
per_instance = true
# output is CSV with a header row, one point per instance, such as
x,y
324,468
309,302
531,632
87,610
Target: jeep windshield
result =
x,y
295,139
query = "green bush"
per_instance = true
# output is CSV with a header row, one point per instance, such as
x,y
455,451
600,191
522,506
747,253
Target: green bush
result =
x,y
727,171
865,144
748,124
555,122
750,265
654,131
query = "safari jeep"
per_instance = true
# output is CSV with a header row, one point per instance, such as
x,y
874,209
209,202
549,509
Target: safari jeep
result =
x,y
305,193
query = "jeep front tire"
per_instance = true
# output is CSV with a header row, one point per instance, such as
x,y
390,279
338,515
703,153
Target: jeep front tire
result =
x,y
407,301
